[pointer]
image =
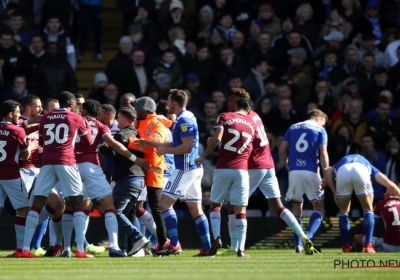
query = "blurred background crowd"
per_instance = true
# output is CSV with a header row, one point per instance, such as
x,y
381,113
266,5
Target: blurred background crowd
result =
x,y
341,56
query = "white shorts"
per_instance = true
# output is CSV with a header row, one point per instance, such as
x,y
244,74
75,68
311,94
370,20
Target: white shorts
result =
x,y
266,181
95,183
68,175
353,177
16,191
232,184
143,194
304,182
185,185
381,246
29,175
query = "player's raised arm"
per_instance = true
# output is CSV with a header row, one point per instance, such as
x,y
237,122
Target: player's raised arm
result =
x,y
391,187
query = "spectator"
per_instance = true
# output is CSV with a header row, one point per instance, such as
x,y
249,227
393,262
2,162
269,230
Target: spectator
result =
x,y
21,36
263,48
90,11
205,202
338,22
392,170
11,59
169,66
177,38
139,41
215,42
283,118
264,109
254,82
354,120
157,53
323,97
199,97
18,91
330,59
204,67
364,75
269,20
219,98
225,27
368,45
152,92
55,33
145,23
97,91
304,23
206,16
255,30
382,127
43,10
346,132
119,63
240,48
380,83
110,94
394,71
300,74
387,96
235,81
163,82
373,20
36,55
352,13
334,41
53,76
207,120
177,18
130,11
348,68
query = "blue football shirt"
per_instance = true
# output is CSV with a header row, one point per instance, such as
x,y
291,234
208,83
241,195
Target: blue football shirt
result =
x,y
185,126
360,159
304,139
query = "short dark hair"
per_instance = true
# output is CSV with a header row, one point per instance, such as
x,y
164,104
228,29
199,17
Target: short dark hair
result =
x,y
329,52
47,102
53,16
162,108
16,14
179,96
234,76
8,106
78,95
65,99
93,107
369,54
367,37
168,51
6,33
244,104
128,112
109,109
380,70
28,100
37,36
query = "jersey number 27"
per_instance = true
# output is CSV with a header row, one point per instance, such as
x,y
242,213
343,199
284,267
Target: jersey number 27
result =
x,y
229,145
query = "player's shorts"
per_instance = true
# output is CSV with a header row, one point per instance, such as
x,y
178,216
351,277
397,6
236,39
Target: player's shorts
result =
x,y
266,181
95,184
232,184
29,175
353,176
16,191
68,175
185,185
143,194
304,182
381,246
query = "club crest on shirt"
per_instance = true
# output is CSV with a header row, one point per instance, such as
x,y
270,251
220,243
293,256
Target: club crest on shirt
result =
x,y
184,127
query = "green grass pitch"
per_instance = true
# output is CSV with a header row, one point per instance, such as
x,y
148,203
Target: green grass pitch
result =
x,y
263,264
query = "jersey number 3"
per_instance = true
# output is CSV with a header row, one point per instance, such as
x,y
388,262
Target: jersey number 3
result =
x,y
229,145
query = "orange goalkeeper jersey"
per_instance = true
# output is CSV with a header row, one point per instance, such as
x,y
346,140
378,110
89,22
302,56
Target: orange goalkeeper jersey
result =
x,y
151,129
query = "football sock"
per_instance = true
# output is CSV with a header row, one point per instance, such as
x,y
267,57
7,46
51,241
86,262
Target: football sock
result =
x,y
171,223
314,223
291,221
87,214
112,227
344,226
232,231
30,227
46,213
147,220
215,217
55,231
241,229
79,226
39,233
20,230
204,231
297,240
67,228
368,226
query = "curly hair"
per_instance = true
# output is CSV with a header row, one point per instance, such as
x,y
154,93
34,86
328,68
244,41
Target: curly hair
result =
x,y
240,92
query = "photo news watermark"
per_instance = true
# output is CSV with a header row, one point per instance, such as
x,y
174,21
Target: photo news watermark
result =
x,y
361,263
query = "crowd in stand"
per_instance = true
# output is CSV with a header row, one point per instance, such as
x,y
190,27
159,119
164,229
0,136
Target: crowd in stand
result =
x,y
340,56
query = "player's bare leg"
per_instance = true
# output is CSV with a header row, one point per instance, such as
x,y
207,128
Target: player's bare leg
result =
x,y
55,207
369,221
90,248
344,224
32,220
20,220
107,203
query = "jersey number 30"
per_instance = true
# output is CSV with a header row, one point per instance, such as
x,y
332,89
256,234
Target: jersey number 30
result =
x,y
229,145
58,133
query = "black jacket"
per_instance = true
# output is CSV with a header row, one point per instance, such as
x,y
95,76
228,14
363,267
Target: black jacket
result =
x,y
123,167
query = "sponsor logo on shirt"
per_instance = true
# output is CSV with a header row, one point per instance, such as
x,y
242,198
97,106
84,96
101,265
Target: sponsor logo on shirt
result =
x,y
301,162
184,127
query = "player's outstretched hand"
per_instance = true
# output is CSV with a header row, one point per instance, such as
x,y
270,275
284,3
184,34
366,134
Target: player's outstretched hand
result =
x,y
142,142
161,151
142,164
199,161
392,191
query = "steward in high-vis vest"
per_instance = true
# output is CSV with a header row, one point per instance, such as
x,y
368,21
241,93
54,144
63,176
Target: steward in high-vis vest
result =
x,y
149,127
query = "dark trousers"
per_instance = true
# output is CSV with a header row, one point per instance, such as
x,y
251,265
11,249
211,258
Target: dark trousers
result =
x,y
90,15
153,197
